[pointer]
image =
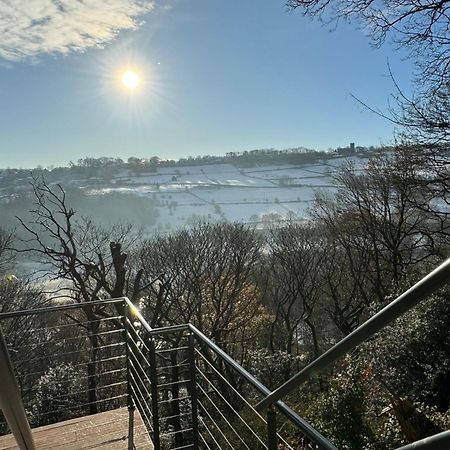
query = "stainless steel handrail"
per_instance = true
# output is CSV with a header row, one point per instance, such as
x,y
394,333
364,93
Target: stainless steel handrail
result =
x,y
440,441
424,288
429,284
11,401
304,426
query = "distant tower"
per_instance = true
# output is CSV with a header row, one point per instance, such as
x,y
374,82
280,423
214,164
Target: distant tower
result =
x,y
352,147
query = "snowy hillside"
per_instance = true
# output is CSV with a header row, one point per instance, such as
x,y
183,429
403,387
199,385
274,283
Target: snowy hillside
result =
x,y
184,195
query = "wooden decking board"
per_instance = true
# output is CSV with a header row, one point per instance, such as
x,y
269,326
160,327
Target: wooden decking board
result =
x,y
107,430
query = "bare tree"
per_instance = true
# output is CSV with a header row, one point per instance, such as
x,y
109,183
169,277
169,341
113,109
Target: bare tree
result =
x,y
345,281
372,215
89,262
6,255
423,29
204,276
296,256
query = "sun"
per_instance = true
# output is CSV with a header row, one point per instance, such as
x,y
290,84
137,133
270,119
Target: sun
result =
x,y
130,79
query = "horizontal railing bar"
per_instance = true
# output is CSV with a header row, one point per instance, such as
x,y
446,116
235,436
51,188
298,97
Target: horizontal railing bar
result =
x,y
59,355
142,410
184,347
176,415
48,309
203,439
169,329
98,388
232,387
249,405
142,369
154,331
131,327
440,441
227,421
85,377
56,411
178,399
134,344
52,342
217,427
145,400
170,433
74,324
403,303
304,426
184,446
232,409
181,364
139,380
173,383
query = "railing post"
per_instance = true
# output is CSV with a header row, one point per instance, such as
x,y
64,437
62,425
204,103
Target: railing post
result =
x,y
192,388
154,391
272,437
11,401
130,402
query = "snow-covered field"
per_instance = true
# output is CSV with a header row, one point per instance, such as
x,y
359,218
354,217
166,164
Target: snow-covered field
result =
x,y
187,194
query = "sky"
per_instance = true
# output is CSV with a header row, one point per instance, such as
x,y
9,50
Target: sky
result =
x,y
216,76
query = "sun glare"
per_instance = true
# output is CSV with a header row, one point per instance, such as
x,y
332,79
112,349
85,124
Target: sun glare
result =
x,y
130,79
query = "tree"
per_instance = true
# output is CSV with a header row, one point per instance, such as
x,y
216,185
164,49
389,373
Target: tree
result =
x,y
344,279
374,218
206,276
6,256
420,27
294,269
55,397
89,262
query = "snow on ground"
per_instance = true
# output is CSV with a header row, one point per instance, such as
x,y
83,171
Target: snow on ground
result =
x,y
184,195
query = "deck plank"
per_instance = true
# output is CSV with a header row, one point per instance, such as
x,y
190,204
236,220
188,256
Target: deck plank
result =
x,y
106,430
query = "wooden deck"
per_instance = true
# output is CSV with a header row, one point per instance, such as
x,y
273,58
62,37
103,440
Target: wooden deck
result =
x,y
107,430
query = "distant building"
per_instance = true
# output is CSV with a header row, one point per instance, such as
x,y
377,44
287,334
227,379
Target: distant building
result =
x,y
347,151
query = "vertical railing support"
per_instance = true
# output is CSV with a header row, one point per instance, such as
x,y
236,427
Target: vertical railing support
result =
x,y
11,401
131,427
154,391
192,389
272,437
130,402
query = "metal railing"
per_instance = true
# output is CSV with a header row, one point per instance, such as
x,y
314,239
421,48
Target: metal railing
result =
x,y
74,360
11,402
402,304
192,394
69,361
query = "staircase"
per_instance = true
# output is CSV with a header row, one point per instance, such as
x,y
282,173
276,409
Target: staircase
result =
x,y
179,389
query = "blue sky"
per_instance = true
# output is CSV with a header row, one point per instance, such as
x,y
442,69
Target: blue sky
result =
x,y
217,76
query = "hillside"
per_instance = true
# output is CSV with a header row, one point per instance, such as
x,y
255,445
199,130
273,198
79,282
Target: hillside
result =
x,y
162,198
